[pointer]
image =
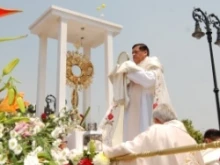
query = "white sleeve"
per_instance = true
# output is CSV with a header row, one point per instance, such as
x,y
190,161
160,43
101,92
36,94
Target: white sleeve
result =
x,y
125,148
144,78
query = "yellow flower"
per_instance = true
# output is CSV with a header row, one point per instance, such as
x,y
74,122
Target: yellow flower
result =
x,y
103,5
100,159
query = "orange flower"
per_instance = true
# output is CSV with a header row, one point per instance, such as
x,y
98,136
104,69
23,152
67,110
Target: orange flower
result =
x,y
5,107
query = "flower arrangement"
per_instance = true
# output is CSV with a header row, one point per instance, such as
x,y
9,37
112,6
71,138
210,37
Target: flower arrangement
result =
x,y
89,156
28,140
25,140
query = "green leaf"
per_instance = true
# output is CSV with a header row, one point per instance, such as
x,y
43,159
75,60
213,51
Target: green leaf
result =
x,y
196,134
2,115
15,80
16,119
52,163
44,155
85,115
12,38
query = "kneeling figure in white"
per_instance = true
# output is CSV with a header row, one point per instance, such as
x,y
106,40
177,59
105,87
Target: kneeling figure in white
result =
x,y
167,132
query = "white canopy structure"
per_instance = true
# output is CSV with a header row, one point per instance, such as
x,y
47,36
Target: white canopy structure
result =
x,y
65,26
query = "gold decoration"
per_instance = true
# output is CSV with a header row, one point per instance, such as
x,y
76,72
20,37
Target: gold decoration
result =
x,y
81,81
75,98
85,78
177,150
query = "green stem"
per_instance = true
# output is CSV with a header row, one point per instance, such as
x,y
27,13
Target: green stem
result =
x,y
85,115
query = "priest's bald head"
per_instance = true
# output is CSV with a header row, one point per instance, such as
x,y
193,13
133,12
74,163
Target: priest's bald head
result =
x,y
163,113
139,52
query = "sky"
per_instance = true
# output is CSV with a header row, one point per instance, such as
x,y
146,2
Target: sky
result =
x,y
165,26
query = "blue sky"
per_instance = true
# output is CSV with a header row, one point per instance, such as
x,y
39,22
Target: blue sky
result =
x,y
165,26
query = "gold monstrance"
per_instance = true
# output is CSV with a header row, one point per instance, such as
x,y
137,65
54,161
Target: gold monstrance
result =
x,y
78,62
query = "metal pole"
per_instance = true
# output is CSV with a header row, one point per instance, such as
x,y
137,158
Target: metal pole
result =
x,y
200,16
216,90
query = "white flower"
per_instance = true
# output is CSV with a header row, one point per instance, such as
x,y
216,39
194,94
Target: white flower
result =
x,y
37,122
1,127
19,137
36,129
31,160
13,134
37,150
3,159
65,152
56,132
75,155
100,159
60,122
12,143
54,154
18,150
56,119
59,156
33,119
62,114
57,143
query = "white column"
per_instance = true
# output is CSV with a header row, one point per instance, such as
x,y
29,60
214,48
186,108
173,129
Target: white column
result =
x,y
61,65
41,79
108,67
87,92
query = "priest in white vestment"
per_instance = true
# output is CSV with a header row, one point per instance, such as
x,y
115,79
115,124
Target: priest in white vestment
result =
x,y
211,156
138,87
146,90
167,132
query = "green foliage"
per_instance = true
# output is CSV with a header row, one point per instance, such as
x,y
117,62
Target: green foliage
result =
x,y
91,151
196,134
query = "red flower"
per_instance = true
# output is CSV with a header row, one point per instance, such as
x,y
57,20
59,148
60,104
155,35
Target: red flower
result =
x,y
85,161
155,105
44,116
110,116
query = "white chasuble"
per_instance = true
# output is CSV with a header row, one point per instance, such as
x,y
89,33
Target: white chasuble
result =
x,y
137,117
172,134
146,90
133,102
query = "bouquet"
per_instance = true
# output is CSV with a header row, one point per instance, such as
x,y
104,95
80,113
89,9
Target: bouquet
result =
x,y
88,156
28,140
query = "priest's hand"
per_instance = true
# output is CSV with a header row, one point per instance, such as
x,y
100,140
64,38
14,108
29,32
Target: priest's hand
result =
x,y
128,66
